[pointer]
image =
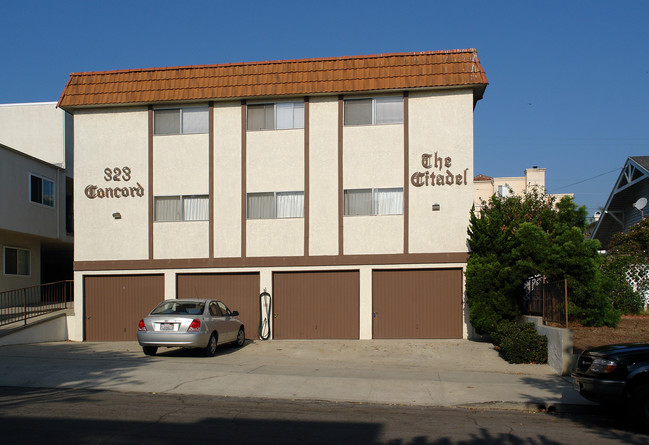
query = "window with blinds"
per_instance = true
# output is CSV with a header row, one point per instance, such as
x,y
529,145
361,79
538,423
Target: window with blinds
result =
x,y
270,205
181,208
276,116
374,111
377,201
190,120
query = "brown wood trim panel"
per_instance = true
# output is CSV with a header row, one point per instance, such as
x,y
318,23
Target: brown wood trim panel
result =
x,y
298,261
406,166
306,176
150,194
244,116
210,236
340,176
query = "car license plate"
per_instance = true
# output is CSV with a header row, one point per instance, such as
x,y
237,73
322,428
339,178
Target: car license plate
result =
x,y
166,326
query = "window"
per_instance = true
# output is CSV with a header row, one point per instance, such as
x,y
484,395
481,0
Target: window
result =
x,y
224,309
377,111
192,120
503,191
215,310
181,208
270,205
384,201
280,116
41,190
17,261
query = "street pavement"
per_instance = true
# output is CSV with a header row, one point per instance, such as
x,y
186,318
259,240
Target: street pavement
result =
x,y
447,373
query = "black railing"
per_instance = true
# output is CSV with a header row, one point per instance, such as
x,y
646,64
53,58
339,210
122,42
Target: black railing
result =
x,y
546,298
19,305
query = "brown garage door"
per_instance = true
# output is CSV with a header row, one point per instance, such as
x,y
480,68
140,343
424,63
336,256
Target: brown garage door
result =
x,y
239,291
417,303
113,305
316,305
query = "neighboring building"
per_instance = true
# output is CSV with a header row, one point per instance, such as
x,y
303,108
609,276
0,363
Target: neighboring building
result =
x,y
627,203
36,222
342,186
484,187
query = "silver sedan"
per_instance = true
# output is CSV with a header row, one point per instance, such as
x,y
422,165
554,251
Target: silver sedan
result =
x,y
201,324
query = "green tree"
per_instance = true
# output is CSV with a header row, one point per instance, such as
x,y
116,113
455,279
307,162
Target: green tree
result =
x,y
627,259
514,238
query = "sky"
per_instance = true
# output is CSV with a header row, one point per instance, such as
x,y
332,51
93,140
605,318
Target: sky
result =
x,y
568,80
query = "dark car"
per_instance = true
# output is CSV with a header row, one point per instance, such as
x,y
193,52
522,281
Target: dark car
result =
x,y
616,374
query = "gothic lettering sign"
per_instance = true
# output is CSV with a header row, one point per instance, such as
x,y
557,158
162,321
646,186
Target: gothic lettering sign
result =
x,y
115,175
445,174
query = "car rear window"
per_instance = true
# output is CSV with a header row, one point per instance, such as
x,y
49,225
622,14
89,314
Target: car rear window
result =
x,y
182,308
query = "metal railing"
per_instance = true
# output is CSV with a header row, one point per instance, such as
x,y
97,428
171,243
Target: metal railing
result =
x,y
19,305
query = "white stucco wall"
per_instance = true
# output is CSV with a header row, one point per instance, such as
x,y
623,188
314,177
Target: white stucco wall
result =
x,y
227,179
180,165
275,237
441,124
37,129
379,234
183,239
111,138
275,163
275,160
323,176
373,156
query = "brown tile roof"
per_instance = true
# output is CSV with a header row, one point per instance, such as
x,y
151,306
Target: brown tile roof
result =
x,y
482,177
399,71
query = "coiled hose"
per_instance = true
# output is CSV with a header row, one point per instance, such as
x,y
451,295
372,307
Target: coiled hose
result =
x,y
264,322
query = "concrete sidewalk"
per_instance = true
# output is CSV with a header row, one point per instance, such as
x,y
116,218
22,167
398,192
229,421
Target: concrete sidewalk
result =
x,y
408,372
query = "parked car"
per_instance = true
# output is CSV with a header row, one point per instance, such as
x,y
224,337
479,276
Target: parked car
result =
x,y
616,374
201,324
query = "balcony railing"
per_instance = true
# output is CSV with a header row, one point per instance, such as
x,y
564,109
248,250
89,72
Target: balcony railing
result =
x,y
19,305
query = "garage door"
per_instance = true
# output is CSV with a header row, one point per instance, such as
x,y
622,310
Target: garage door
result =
x,y
316,305
239,291
417,303
113,305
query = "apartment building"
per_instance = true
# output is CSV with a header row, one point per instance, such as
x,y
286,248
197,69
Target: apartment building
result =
x,y
340,186
36,222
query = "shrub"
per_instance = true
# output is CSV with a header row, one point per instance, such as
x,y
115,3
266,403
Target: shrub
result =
x,y
626,300
520,343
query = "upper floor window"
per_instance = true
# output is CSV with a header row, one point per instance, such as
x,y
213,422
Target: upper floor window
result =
x,y
279,116
17,261
190,120
376,111
270,205
41,190
378,201
503,191
181,208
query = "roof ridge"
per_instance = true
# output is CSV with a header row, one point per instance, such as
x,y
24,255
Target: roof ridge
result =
x,y
281,61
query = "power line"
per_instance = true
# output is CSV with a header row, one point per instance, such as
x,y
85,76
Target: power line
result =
x,y
584,180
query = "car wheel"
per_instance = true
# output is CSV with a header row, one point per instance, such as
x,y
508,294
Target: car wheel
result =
x,y
241,338
150,350
639,405
210,350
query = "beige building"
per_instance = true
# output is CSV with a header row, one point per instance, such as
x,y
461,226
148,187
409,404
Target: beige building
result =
x,y
341,186
484,187
36,193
